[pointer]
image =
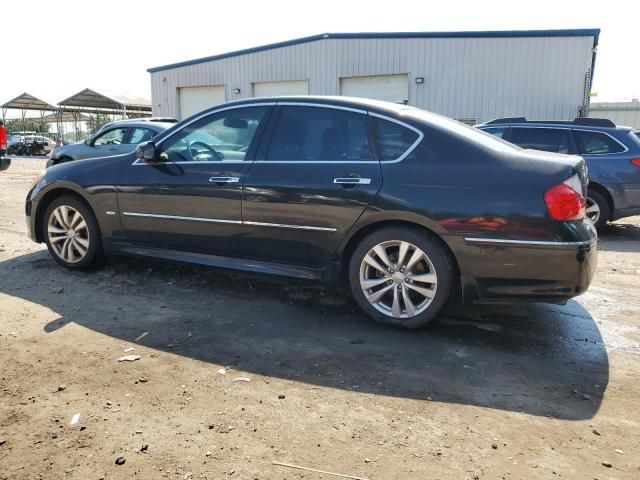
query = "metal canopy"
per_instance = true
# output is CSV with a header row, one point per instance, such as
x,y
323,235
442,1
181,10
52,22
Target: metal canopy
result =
x,y
90,101
65,117
27,101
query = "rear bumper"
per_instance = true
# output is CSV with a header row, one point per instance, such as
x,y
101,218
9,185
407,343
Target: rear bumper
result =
x,y
530,271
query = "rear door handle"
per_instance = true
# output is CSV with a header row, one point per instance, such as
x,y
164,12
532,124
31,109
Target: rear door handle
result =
x,y
352,181
224,179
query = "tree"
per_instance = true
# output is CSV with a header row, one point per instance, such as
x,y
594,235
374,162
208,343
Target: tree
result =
x,y
29,125
96,122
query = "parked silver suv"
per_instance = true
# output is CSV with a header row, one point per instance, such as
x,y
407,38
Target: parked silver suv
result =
x,y
114,138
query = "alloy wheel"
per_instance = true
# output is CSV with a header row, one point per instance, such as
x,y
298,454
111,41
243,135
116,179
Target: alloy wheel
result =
x,y
398,279
592,210
68,234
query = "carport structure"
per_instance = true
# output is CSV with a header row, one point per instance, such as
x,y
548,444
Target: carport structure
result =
x,y
26,102
89,101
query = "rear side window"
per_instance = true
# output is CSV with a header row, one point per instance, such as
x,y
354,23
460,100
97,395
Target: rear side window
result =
x,y
393,139
500,132
597,143
555,140
319,134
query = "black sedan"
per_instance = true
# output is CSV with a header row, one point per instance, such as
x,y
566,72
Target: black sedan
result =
x,y
406,207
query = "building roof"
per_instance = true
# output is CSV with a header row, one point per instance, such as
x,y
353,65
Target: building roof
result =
x,y
633,105
582,32
89,99
26,101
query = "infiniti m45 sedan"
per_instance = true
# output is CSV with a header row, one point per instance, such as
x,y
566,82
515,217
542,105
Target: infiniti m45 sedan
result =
x,y
406,208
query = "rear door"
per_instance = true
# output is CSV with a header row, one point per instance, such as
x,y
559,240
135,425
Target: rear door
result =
x,y
311,181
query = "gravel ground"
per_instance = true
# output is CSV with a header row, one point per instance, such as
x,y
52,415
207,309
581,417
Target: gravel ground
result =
x,y
238,371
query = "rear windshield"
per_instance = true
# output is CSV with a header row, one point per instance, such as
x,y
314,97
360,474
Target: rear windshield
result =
x,y
471,134
636,134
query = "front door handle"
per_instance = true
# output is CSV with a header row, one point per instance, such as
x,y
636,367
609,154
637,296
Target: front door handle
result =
x,y
224,179
352,181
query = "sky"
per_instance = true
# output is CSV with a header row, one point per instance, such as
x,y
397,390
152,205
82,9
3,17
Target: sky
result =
x,y
108,46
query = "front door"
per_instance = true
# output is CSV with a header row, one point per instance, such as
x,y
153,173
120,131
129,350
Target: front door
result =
x,y
191,199
309,184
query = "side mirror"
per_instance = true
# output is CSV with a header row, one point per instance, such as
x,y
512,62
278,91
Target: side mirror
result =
x,y
89,141
4,163
147,151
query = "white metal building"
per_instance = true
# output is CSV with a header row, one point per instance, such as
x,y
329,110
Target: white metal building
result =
x,y
473,76
621,113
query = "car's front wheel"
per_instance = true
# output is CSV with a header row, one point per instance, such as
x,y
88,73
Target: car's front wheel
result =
x,y
71,233
401,276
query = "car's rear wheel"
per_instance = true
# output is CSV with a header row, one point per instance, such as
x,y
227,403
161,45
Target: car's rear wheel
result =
x,y
401,276
597,209
71,233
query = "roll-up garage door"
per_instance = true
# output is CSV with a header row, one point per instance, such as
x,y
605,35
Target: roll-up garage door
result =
x,y
196,99
392,88
270,89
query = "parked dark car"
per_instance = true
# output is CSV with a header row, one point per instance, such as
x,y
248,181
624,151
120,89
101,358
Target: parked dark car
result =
x,y
406,207
114,138
612,154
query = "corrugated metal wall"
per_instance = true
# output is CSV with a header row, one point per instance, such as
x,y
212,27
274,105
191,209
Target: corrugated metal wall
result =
x,y
621,113
483,78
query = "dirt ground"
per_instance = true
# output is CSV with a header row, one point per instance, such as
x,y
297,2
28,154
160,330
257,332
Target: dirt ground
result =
x,y
239,371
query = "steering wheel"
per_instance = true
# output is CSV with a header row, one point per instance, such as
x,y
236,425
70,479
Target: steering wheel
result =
x,y
216,155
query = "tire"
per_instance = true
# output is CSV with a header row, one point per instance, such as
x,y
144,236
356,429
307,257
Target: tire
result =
x,y
598,209
79,250
402,284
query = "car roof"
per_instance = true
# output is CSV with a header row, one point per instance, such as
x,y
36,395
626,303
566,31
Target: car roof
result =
x,y
353,102
162,122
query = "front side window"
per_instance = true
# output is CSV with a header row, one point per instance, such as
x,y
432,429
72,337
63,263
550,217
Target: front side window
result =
x,y
596,143
225,135
111,137
319,134
140,134
393,139
555,140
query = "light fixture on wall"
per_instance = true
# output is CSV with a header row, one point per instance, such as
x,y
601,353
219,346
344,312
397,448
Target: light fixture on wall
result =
x,y
419,79
236,91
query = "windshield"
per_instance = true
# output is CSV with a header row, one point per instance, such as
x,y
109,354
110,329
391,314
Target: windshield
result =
x,y
472,134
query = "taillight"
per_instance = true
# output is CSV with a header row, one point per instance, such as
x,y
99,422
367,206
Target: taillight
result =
x,y
565,200
636,162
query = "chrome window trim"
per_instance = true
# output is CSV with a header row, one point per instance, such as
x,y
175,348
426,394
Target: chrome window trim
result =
x,y
545,243
322,105
406,125
626,149
202,115
176,217
234,222
360,162
194,162
312,162
573,129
